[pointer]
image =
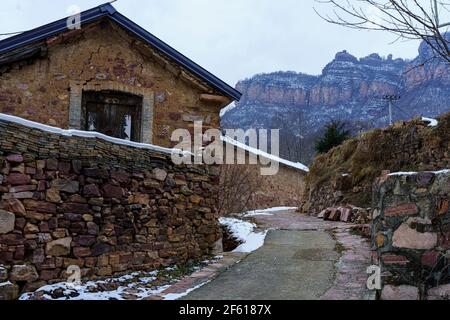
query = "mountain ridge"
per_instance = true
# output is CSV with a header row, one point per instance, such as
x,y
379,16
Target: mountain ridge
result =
x,y
349,89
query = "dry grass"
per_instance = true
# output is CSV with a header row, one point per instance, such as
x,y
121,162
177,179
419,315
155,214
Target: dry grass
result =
x,y
365,157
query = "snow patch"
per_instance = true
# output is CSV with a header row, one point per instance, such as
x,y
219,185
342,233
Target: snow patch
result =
x,y
4,284
85,292
263,154
176,296
245,232
88,134
267,212
432,122
227,109
444,171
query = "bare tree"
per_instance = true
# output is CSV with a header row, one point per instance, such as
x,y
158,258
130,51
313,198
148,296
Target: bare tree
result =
x,y
238,186
407,19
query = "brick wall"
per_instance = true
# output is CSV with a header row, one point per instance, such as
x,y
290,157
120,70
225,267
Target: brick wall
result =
x,y
411,235
103,56
105,207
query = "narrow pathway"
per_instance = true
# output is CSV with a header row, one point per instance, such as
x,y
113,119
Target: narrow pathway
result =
x,y
303,258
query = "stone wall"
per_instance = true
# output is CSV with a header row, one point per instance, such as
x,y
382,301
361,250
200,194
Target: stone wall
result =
x,y
285,189
411,234
102,56
105,207
345,174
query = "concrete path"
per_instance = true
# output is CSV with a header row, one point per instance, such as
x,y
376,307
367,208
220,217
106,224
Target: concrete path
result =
x,y
303,259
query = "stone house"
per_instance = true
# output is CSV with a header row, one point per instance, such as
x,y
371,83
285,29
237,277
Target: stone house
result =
x,y
107,206
108,75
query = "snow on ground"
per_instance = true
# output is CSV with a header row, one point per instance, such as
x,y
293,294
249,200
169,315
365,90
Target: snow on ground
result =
x,y
89,290
134,286
432,122
245,232
267,212
263,154
176,296
415,173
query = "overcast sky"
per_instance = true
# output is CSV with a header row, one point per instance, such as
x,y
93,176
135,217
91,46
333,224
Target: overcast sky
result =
x,y
234,39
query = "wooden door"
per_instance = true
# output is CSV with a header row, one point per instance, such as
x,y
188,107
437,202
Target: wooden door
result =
x,y
114,114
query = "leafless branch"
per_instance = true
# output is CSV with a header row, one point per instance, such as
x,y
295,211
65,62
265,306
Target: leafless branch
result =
x,y
407,19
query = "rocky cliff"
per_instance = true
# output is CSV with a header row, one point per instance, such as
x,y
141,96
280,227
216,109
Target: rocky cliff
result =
x,y
349,89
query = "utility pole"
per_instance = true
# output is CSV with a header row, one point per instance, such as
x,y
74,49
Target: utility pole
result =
x,y
391,99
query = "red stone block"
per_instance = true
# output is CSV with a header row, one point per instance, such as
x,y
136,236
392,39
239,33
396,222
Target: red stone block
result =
x,y
24,188
31,171
346,215
120,176
15,158
39,206
64,167
408,209
14,206
110,191
335,215
42,185
16,179
52,164
48,275
91,191
78,208
6,257
81,252
430,259
85,241
19,254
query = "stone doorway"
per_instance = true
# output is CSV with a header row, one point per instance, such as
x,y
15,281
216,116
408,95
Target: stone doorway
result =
x,y
114,114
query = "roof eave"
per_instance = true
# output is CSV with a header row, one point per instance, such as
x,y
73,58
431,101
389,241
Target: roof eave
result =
x,y
107,10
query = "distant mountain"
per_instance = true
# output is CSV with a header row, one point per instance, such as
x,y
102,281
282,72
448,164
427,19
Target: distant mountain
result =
x,y
349,89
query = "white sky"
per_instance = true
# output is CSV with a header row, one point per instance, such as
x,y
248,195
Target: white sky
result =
x,y
234,39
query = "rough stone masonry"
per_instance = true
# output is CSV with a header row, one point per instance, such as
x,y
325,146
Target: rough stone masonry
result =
x,y
411,234
104,207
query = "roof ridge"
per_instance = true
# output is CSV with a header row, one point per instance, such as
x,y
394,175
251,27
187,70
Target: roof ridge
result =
x,y
109,11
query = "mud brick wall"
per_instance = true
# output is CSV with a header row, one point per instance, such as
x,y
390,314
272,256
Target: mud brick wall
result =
x,y
411,234
104,207
345,175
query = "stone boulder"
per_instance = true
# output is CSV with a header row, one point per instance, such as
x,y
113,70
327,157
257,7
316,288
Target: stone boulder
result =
x,y
24,273
68,186
8,291
439,293
406,237
14,206
159,175
59,248
400,293
7,221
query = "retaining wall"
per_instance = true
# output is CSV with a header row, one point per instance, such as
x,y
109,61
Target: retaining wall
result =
x,y
105,207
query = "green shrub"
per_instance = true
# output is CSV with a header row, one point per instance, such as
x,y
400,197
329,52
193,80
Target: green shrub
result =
x,y
335,134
